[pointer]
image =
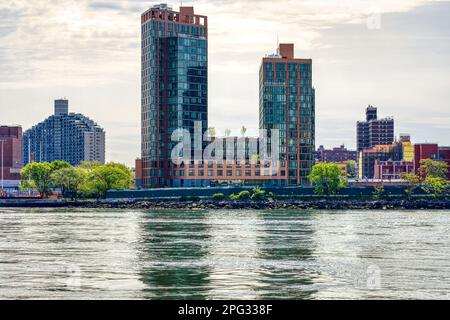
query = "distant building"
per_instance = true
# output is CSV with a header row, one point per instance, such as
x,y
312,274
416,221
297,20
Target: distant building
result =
x,y
138,174
405,149
70,137
425,151
340,154
389,162
344,167
374,131
368,157
444,155
392,170
11,159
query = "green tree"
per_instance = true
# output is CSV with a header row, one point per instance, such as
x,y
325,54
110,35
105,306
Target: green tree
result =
x,y
433,169
351,168
435,186
58,164
121,167
378,192
112,176
413,183
37,175
328,178
89,166
69,180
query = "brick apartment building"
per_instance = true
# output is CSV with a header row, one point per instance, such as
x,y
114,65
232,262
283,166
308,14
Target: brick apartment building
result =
x,y
11,158
431,151
340,154
374,131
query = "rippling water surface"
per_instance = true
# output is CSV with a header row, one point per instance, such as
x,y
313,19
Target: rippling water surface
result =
x,y
48,254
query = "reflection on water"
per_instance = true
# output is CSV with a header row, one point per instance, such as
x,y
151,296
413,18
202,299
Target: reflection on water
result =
x,y
287,248
171,249
224,254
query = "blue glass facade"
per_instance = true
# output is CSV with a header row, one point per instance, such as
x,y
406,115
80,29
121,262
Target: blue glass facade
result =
x,y
287,104
174,86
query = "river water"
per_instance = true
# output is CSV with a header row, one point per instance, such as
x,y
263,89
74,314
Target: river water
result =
x,y
85,254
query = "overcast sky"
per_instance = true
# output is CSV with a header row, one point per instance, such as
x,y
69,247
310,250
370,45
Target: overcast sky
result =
x,y
391,54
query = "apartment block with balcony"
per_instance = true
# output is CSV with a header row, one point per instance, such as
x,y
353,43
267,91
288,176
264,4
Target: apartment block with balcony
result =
x,y
374,131
70,137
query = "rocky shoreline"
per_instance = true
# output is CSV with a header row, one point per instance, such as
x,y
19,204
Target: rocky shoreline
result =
x,y
332,204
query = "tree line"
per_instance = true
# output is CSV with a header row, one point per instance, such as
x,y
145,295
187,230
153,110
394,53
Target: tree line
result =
x,y
329,178
88,180
92,180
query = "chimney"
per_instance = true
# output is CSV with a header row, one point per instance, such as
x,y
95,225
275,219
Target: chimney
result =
x,y
286,50
187,14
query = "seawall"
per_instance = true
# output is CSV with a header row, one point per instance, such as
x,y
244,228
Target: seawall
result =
x,y
331,204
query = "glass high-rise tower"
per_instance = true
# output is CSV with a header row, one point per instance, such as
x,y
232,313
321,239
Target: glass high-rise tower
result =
x,y
287,104
174,87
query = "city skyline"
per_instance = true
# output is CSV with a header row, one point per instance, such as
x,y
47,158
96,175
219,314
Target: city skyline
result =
x,y
109,93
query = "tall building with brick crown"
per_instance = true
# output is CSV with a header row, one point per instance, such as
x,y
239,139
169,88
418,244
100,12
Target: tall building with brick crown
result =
x,y
287,104
174,86
175,98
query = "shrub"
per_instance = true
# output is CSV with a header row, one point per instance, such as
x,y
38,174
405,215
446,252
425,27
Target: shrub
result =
x,y
234,197
218,196
413,183
258,195
244,195
189,198
378,192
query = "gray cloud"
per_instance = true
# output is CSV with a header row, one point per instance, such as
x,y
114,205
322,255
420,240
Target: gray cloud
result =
x,y
8,22
89,51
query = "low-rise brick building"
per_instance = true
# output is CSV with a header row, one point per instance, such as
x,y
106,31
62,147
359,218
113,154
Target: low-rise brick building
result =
x,y
10,156
340,154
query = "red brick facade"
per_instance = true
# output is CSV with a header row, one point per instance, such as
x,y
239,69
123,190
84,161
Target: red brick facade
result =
x,y
392,170
11,139
431,151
